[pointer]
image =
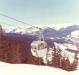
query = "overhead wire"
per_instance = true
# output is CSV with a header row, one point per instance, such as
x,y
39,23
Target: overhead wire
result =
x,y
19,21
24,24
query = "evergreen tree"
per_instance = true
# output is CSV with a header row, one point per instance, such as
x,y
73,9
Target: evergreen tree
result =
x,y
56,57
75,63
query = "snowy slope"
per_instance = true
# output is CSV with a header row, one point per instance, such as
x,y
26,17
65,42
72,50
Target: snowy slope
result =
x,y
25,69
75,34
66,46
74,37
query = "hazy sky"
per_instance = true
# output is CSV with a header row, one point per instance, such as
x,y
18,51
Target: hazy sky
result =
x,y
40,11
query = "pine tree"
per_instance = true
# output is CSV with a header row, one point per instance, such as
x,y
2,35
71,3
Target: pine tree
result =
x,y
75,63
65,63
56,57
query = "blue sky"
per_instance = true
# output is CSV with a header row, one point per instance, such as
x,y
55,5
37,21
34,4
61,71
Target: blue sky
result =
x,y
40,11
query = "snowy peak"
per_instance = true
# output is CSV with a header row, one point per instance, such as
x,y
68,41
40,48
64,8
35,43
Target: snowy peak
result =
x,y
24,30
47,30
75,34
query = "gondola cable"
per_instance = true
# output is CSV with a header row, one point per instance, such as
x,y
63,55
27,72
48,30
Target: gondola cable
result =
x,y
40,42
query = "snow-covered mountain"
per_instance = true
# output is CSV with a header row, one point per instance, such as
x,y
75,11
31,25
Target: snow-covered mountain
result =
x,y
74,37
55,30
24,30
63,34
48,31
75,34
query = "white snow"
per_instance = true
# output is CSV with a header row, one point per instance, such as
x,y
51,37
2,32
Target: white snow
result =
x,y
70,56
52,38
65,46
55,26
75,34
74,37
27,69
23,28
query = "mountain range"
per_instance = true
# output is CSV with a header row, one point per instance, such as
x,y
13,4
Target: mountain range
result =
x,y
50,34
46,31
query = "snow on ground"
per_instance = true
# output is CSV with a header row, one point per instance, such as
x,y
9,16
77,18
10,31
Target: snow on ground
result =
x,y
65,46
75,34
27,69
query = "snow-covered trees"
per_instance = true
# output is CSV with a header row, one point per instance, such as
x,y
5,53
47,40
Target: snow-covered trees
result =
x,y
63,61
56,58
